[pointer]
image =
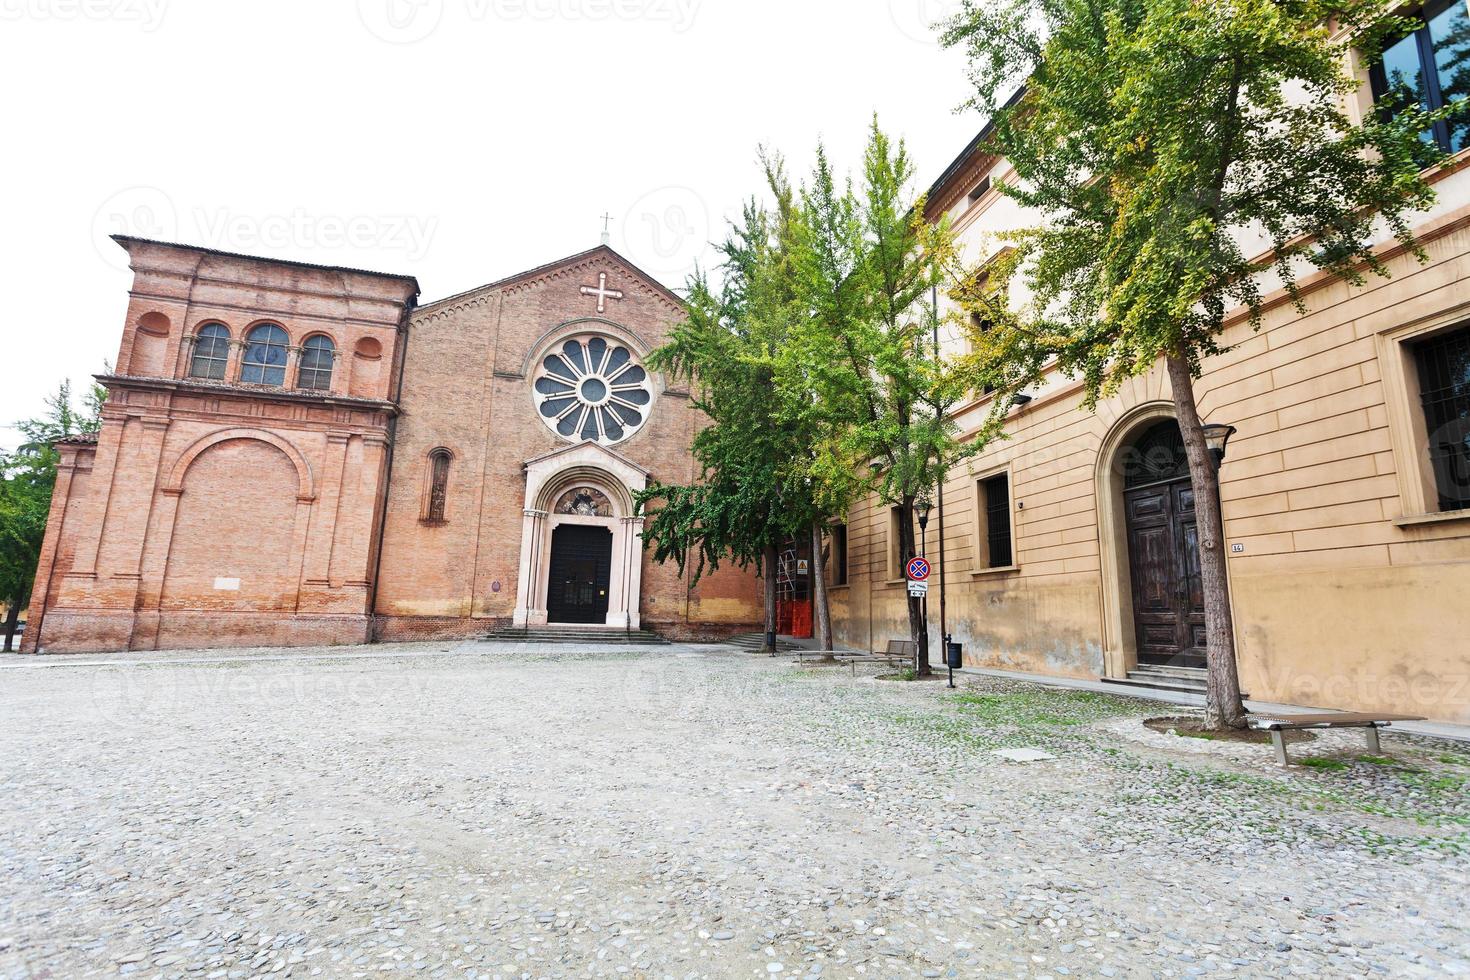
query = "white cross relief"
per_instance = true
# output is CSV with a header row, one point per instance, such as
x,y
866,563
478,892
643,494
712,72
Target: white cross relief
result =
x,y
602,292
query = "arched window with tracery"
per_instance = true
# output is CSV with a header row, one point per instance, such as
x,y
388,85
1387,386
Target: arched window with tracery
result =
x,y
317,355
264,362
211,352
438,491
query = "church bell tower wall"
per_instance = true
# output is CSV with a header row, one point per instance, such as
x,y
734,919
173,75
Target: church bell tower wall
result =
x,y
232,496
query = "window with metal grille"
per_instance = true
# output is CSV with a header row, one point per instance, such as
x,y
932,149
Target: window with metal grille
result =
x,y
264,362
211,352
995,499
316,364
1430,67
837,543
1444,392
438,485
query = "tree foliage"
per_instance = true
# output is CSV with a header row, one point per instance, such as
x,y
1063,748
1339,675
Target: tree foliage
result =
x,y
748,498
1180,155
869,264
1176,150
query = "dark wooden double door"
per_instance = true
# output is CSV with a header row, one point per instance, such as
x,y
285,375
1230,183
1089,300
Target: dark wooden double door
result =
x,y
579,573
1163,556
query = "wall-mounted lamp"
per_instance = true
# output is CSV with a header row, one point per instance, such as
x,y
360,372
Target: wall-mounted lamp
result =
x,y
1216,436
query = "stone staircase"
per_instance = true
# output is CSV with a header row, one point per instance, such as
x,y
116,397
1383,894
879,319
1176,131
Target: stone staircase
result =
x,y
756,643
573,634
1178,680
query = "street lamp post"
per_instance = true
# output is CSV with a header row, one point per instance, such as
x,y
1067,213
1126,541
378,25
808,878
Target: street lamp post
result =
x,y
921,510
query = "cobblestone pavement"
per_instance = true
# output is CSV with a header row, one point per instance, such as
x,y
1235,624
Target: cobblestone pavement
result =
x,y
471,810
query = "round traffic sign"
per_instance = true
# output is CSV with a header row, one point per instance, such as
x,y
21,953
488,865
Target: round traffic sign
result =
x,y
918,569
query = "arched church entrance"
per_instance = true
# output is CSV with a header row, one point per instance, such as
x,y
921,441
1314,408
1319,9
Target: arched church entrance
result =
x,y
581,539
1163,548
579,576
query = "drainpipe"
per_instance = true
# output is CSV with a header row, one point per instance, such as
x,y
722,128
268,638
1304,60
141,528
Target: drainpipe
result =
x,y
939,501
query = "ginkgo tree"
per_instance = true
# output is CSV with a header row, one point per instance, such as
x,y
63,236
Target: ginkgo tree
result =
x,y
869,264
1153,139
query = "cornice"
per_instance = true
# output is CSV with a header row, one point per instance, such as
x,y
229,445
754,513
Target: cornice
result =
x,y
219,390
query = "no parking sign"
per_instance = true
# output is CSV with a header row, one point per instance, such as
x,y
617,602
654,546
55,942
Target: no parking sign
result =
x,y
918,569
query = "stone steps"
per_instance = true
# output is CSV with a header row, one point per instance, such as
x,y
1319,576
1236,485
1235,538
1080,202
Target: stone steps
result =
x,y
756,643
600,635
1177,680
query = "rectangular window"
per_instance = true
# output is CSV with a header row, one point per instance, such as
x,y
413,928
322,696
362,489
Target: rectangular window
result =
x,y
993,505
1430,67
1444,392
895,547
837,554
980,189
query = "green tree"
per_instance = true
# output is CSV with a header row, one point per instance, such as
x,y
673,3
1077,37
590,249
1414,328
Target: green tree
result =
x,y
27,478
868,265
1153,137
750,497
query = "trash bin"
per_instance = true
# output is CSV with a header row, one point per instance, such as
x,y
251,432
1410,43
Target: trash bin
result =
x,y
954,654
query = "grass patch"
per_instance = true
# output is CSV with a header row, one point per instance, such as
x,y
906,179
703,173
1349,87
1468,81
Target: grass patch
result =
x,y
1377,760
1039,708
1326,765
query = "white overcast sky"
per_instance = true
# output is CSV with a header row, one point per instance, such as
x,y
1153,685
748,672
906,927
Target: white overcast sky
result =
x,y
458,141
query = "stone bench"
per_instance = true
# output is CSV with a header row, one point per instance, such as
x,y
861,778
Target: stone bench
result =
x,y
1278,724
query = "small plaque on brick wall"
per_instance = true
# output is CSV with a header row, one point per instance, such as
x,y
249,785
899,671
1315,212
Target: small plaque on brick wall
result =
x,y
227,584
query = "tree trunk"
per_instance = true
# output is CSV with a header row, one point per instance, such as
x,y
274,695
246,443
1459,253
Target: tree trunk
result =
x,y
821,613
906,551
769,577
11,619
1223,707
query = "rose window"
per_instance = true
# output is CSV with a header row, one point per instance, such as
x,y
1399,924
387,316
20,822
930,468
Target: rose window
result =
x,y
589,389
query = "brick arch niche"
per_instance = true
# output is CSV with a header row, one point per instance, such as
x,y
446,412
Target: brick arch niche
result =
x,y
586,484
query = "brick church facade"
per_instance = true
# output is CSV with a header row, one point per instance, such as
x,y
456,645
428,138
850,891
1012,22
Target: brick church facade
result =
x,y
295,454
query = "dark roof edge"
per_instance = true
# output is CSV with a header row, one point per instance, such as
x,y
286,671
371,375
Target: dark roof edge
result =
x,y
969,151
122,239
547,267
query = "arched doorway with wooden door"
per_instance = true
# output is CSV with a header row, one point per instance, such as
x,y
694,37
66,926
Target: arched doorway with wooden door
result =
x,y
1163,549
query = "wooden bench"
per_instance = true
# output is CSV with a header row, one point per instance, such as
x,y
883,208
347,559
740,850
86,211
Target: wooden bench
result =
x,y
898,653
1277,724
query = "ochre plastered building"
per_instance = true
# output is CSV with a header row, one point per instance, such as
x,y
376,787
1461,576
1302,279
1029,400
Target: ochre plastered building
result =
x,y
1068,547
295,454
